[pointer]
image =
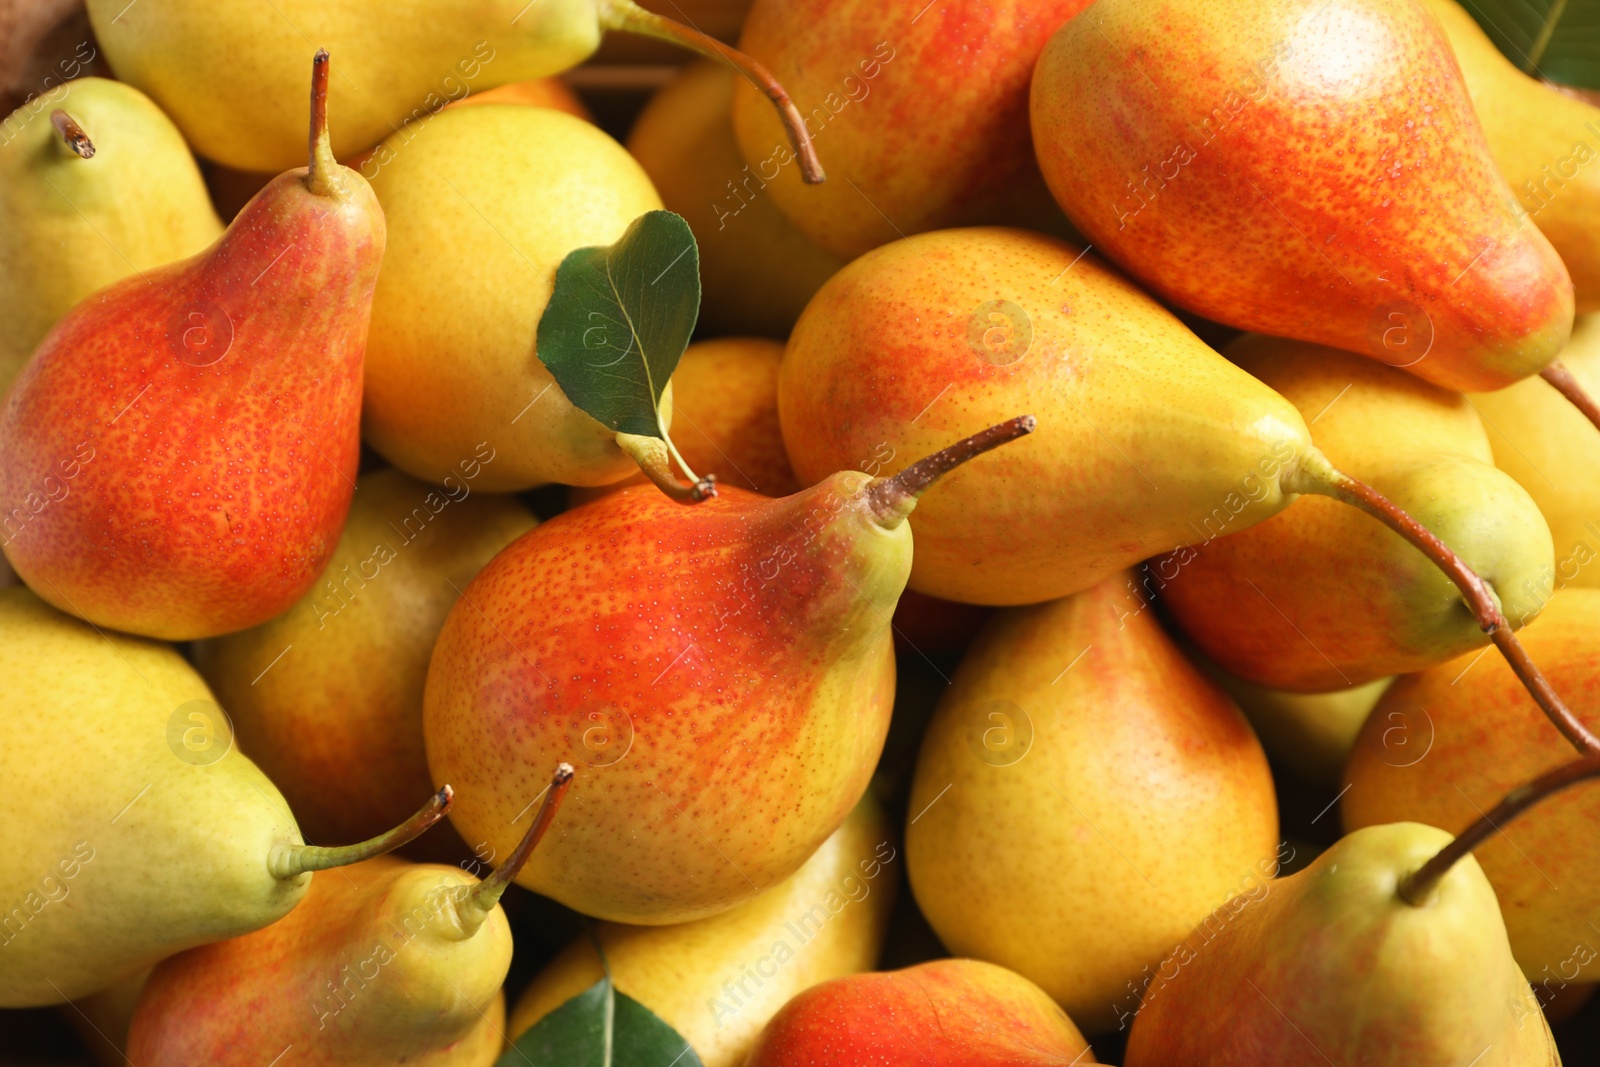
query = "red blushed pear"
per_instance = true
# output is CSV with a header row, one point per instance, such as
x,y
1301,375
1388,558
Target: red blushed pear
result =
x,y
923,112
1305,169
948,1013
178,457
394,962
721,676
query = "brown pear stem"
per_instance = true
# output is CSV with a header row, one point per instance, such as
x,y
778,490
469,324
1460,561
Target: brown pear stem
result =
x,y
1417,888
890,499
291,861
630,17
321,171
474,906
1559,376
72,133
1317,475
651,454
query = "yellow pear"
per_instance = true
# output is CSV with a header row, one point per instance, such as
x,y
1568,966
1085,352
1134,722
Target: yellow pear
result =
x,y
1321,596
1083,797
1312,733
483,203
1546,144
1552,451
717,981
757,270
70,225
327,697
136,831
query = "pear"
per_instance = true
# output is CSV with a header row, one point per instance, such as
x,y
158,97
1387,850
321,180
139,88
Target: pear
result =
x,y
177,458
1311,733
136,831
756,269
483,203
1085,777
725,414
1444,743
923,112
225,74
928,338
1321,597
717,981
1547,445
1332,965
394,962
948,1013
1542,141
721,676
327,697
1304,169
535,92
76,216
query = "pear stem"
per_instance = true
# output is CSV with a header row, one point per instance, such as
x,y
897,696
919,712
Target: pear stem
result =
x,y
1418,887
474,906
291,861
891,499
630,17
1559,376
321,172
650,453
1316,475
72,134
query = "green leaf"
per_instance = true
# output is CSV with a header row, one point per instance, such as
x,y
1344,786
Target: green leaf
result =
x,y
600,1027
619,319
1558,40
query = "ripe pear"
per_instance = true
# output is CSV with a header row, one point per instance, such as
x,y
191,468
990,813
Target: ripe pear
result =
x,y
395,962
721,676
1321,596
717,981
1333,966
429,947
177,458
327,697
225,74
1543,142
923,119
1311,733
725,410
1089,780
756,269
483,204
1548,446
1304,169
948,1013
70,225
136,831
928,338
1444,744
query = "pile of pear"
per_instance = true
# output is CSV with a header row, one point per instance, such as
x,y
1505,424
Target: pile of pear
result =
x,y
870,758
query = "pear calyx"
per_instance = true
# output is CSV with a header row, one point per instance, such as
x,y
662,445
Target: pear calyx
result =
x,y
651,454
286,862
1557,374
72,134
323,176
1421,886
891,499
474,904
630,17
